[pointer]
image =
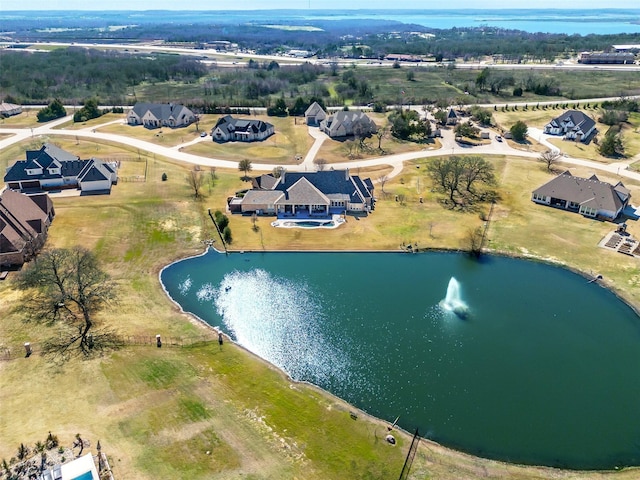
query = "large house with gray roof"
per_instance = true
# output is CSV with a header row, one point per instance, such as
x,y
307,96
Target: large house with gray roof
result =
x,y
306,194
587,196
573,124
52,168
229,129
348,123
156,115
24,223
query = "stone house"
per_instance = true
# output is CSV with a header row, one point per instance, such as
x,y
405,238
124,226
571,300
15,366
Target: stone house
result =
x,y
24,224
156,115
588,196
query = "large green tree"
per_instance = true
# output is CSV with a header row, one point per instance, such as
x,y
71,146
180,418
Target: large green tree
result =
x,y
611,145
467,129
407,125
88,111
519,131
67,288
54,110
245,166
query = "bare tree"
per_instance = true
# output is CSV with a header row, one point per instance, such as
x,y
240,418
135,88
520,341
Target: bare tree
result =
x,y
350,150
446,174
474,239
477,169
550,158
382,180
457,177
360,134
194,180
212,178
320,164
67,288
382,133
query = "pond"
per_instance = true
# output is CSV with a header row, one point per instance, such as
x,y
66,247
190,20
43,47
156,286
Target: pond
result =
x,y
516,360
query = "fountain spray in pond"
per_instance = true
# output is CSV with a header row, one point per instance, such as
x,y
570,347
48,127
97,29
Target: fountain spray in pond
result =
x,y
453,302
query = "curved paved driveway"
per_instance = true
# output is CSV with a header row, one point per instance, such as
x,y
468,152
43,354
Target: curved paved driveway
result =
x,y
449,147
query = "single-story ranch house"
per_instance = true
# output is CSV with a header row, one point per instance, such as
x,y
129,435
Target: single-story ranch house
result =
x,y
573,124
229,129
52,168
302,194
344,124
587,196
24,223
155,115
9,109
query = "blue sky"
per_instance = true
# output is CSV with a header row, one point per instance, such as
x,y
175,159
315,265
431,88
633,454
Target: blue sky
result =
x,y
301,4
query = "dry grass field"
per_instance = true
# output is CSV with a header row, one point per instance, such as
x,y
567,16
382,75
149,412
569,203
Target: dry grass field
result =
x,y
27,119
157,412
538,118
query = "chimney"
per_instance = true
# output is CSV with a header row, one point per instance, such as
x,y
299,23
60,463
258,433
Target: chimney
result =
x,y
346,174
282,176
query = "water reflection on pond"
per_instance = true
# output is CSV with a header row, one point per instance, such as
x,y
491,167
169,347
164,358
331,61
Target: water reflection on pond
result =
x,y
532,364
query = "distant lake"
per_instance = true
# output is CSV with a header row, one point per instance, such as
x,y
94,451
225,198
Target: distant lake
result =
x,y
542,370
569,21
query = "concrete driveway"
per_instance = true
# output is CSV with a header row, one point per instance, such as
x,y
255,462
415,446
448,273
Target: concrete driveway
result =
x,y
449,147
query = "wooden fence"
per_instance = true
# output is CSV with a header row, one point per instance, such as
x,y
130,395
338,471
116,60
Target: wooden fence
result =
x,y
14,352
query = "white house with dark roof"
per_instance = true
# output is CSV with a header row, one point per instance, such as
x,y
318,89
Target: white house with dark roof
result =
x,y
229,129
347,123
52,168
587,196
156,115
307,194
573,124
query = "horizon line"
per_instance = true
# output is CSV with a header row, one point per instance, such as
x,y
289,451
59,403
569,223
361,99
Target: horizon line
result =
x,y
315,9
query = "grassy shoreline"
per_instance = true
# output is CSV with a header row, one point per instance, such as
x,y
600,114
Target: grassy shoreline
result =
x,y
157,410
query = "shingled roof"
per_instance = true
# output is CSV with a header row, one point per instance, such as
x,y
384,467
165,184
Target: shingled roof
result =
x,y
23,219
162,111
590,192
581,121
241,126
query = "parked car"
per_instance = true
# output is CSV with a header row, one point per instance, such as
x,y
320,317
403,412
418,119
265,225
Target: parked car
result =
x,y
203,134
498,138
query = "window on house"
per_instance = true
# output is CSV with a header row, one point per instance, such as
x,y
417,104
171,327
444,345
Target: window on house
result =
x,y
540,198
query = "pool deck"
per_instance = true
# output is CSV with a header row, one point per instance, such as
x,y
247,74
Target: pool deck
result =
x,y
297,222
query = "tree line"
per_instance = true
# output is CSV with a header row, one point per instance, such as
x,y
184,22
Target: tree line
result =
x,y
73,74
